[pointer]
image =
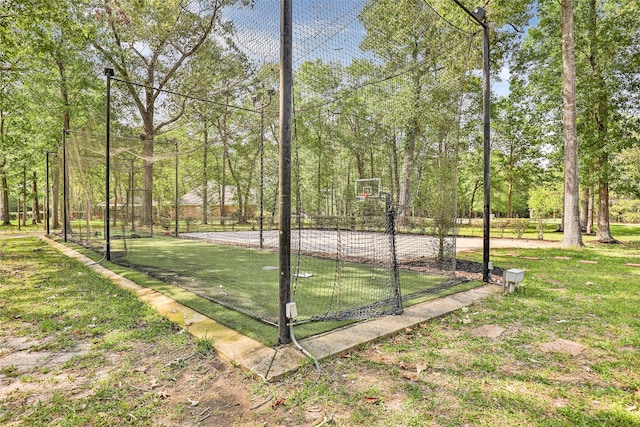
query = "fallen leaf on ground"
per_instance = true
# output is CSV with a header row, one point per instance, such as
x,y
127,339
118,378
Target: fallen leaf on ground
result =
x,y
277,403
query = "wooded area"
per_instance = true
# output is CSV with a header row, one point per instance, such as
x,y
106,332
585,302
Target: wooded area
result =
x,y
398,98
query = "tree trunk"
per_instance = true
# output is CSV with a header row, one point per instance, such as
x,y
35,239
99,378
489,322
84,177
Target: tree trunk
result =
x,y
148,150
510,182
36,202
24,195
241,212
404,198
603,234
4,197
88,210
55,193
395,172
205,177
223,183
114,212
319,188
510,199
66,125
473,197
590,211
584,209
571,237
4,188
411,139
601,119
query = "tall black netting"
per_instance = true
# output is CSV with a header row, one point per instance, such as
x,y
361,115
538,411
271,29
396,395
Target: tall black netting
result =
x,y
384,94
84,203
381,103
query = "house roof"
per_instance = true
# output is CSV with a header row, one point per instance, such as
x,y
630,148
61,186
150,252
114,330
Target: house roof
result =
x,y
195,196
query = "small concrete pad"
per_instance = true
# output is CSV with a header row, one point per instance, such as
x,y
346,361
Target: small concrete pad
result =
x,y
272,363
630,264
586,261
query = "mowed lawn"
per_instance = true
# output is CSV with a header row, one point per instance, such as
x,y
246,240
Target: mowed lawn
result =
x,y
563,351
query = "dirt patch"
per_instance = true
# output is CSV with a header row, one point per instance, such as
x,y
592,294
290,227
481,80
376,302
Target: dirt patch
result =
x,y
195,389
562,346
487,331
24,369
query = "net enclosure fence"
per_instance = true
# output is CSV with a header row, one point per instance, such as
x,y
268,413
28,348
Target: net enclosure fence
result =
x,y
385,96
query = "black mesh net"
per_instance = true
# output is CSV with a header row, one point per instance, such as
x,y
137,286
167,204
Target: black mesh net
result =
x,y
380,109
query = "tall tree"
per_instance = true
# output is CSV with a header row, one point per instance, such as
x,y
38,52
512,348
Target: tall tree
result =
x,y
516,139
219,75
606,59
411,27
148,43
607,95
422,49
572,236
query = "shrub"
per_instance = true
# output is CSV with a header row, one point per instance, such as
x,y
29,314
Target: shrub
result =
x,y
520,226
502,225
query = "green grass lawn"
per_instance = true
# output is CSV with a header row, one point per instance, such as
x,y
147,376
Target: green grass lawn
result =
x,y
54,306
442,373
445,373
623,232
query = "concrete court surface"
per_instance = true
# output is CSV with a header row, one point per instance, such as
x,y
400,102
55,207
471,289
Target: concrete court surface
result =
x,y
272,363
359,243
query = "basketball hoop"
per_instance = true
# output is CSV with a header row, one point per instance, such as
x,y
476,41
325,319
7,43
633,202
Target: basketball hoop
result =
x,y
367,188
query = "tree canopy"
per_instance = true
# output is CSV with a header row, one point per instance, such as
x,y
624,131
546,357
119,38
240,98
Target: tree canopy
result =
x,y
382,89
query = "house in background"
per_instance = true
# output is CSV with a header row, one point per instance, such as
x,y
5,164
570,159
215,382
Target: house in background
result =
x,y
191,204
123,208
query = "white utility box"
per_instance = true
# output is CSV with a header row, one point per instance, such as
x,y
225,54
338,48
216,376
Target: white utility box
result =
x,y
511,280
514,275
291,311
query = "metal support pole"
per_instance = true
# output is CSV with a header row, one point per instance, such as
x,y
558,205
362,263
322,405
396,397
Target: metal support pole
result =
x,y
486,95
176,189
261,219
395,272
47,196
286,84
65,184
479,16
107,190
